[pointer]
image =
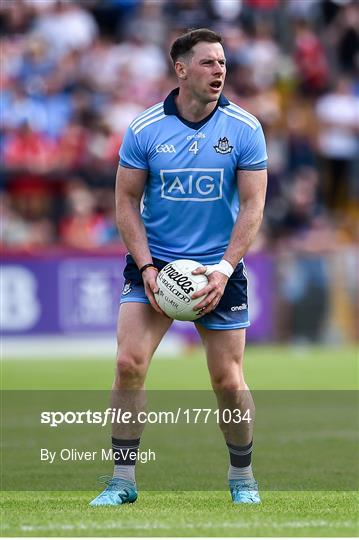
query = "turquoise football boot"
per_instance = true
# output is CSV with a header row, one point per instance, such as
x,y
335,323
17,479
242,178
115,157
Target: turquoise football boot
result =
x,y
117,492
244,491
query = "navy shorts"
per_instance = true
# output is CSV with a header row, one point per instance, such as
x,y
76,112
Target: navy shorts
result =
x,y
230,313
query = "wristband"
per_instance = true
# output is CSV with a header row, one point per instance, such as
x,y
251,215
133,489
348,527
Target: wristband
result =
x,y
145,266
223,266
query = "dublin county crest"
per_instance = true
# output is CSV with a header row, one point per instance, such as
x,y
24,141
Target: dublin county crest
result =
x,y
127,288
223,146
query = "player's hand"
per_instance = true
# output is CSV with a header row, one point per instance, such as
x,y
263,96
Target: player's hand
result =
x,y
214,290
149,277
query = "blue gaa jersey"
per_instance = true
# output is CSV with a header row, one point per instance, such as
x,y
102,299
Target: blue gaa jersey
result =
x,y
190,202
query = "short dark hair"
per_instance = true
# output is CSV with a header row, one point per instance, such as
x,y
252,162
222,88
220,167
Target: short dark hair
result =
x,y
184,44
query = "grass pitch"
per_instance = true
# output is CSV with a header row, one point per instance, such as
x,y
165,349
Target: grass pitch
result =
x,y
173,513
181,514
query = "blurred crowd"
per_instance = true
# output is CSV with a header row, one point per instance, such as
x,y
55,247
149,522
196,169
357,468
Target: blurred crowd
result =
x,y
75,73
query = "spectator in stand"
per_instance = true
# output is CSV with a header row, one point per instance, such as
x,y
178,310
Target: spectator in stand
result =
x,y
13,228
101,152
72,147
15,17
303,234
237,46
84,226
19,108
11,58
29,150
264,55
259,10
142,63
149,23
338,144
310,59
99,66
225,10
31,231
36,67
308,9
343,36
65,26
47,110
300,134
121,110
183,14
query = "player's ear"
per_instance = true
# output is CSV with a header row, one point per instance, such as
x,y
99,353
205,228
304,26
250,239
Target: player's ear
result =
x,y
181,70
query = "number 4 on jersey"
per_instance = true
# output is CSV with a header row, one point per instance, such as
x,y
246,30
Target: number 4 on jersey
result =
x,y
194,148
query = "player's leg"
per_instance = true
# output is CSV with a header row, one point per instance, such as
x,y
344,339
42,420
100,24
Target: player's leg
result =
x,y
225,352
223,334
140,330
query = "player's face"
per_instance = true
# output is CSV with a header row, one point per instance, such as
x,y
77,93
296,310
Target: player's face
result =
x,y
205,71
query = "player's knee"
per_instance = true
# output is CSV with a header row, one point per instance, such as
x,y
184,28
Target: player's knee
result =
x,y
228,383
130,368
229,377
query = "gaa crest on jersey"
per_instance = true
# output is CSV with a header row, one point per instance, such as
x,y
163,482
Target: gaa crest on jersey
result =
x,y
223,146
165,148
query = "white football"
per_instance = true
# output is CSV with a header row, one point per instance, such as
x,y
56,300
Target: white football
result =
x,y
176,285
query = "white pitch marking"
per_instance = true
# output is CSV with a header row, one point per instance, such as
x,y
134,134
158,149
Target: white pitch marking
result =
x,y
227,524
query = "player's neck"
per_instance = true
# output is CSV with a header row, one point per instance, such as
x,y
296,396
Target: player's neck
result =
x,y
191,109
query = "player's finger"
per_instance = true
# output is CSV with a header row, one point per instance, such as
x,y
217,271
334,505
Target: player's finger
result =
x,y
212,306
205,311
150,279
154,287
199,270
151,283
152,299
206,302
206,290
212,287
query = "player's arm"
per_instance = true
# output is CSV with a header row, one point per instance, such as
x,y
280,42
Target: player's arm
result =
x,y
130,185
252,187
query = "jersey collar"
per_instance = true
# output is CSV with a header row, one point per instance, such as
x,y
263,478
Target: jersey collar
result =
x,y
170,108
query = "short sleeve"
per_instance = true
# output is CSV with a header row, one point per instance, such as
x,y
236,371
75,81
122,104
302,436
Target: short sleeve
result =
x,y
253,156
132,155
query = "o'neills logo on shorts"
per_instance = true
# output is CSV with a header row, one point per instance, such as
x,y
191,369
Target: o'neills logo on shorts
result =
x,y
182,280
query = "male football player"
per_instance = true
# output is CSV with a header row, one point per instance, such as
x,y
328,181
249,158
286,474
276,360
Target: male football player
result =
x,y
197,158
